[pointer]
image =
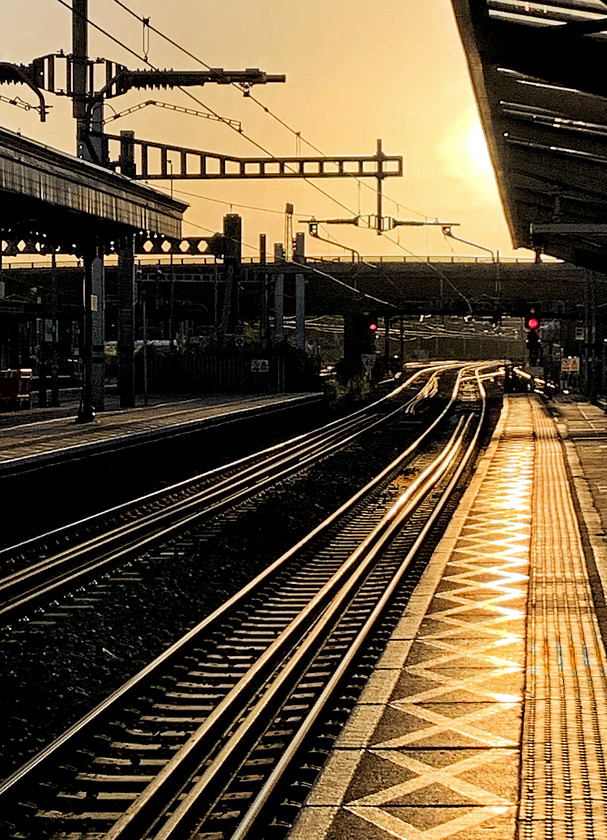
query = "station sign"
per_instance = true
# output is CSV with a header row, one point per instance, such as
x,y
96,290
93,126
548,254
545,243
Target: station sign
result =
x,y
368,360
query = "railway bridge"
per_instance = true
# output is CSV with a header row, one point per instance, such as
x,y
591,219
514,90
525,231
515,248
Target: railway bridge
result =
x,y
411,286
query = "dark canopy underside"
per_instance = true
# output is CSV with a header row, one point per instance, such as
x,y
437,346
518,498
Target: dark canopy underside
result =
x,y
539,74
45,193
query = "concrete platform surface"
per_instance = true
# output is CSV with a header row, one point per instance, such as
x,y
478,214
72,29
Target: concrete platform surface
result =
x,y
487,715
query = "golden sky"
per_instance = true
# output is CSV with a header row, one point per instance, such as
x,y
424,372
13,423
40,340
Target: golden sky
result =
x,y
356,71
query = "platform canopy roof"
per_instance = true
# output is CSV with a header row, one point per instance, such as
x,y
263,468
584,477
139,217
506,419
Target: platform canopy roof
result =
x,y
48,194
539,74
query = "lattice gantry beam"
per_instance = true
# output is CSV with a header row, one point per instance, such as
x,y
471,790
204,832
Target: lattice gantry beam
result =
x,y
142,159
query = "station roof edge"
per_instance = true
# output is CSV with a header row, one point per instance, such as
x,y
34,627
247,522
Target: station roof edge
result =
x,y
34,171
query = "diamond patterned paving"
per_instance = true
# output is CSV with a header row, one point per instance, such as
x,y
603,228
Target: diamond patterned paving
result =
x,y
438,755
487,716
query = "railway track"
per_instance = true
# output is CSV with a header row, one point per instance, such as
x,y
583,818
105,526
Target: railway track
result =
x,y
45,566
202,742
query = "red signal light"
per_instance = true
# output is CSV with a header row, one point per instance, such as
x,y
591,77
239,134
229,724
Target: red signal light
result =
x,y
372,327
533,324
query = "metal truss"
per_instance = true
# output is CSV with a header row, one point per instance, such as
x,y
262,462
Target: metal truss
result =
x,y
169,107
148,160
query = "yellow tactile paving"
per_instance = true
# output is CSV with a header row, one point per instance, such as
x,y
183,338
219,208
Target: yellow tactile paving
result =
x,y
564,773
487,715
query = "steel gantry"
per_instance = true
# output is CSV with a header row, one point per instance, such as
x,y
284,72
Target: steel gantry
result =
x,y
148,160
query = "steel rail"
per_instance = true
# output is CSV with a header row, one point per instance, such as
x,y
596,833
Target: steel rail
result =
x,y
250,820
303,635
56,748
24,589
34,543
217,491
308,645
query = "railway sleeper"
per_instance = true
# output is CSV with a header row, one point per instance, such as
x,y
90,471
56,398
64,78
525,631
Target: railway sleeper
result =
x,y
217,670
180,735
128,748
114,778
306,695
236,795
94,823
183,708
251,778
103,800
218,816
174,719
193,695
242,651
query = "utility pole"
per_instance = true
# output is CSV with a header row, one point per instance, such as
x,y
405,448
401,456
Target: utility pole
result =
x,y
279,292
232,232
55,333
264,319
171,287
380,157
126,321
93,386
300,294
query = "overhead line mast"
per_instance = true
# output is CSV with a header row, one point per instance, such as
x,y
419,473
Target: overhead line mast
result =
x,y
88,97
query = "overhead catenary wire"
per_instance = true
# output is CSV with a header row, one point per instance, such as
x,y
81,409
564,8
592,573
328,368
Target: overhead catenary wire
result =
x,y
149,27
304,267
248,138
152,67
255,248
199,101
442,274
297,134
299,138
233,203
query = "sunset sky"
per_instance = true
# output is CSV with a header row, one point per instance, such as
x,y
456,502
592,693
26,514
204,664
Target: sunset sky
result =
x,y
391,69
